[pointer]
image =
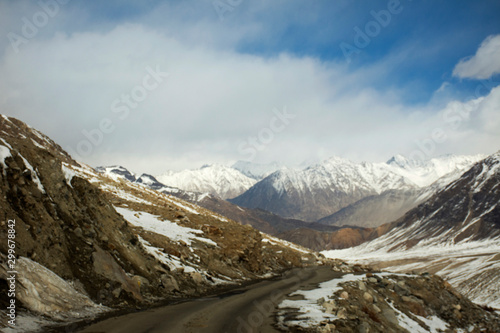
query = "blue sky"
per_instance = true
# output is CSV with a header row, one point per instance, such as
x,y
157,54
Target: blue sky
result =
x,y
236,66
431,35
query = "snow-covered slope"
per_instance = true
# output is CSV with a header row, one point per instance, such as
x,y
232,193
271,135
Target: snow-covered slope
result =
x,y
323,189
455,233
215,179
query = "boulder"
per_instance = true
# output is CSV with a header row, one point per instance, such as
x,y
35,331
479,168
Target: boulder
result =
x,y
106,266
197,277
169,283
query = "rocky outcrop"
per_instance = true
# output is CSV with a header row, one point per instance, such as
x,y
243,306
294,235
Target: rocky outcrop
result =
x,y
42,291
383,302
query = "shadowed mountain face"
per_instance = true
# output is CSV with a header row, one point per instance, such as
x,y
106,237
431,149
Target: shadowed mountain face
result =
x,y
466,209
375,210
291,194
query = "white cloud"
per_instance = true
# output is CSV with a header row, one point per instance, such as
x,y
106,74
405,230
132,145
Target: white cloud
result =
x,y
214,99
484,64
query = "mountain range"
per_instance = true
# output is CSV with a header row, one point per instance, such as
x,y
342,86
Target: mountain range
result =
x,y
334,192
92,240
454,231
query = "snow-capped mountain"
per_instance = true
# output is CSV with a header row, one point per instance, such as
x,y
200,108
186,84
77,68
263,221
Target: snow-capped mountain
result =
x,y
255,170
390,205
323,189
466,209
424,173
116,172
456,233
149,181
215,179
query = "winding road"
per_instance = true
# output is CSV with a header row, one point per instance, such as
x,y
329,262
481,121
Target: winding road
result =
x,y
247,310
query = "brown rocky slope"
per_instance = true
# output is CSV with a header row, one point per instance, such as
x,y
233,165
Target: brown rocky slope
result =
x,y
67,226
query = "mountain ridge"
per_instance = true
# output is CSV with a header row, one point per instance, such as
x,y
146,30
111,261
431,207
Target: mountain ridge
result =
x,y
337,183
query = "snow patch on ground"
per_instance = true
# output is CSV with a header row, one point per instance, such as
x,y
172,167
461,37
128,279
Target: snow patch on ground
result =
x,y
5,143
68,173
435,324
171,261
38,145
185,207
167,228
123,194
34,174
312,313
174,263
4,153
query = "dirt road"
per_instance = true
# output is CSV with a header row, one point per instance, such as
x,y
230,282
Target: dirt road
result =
x,y
247,310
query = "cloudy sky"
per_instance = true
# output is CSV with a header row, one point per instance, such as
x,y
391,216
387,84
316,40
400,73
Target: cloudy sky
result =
x,y
156,85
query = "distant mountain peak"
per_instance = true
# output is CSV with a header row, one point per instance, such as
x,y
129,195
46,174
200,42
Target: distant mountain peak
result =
x,y
216,179
404,162
397,159
257,171
149,180
337,159
116,171
425,172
